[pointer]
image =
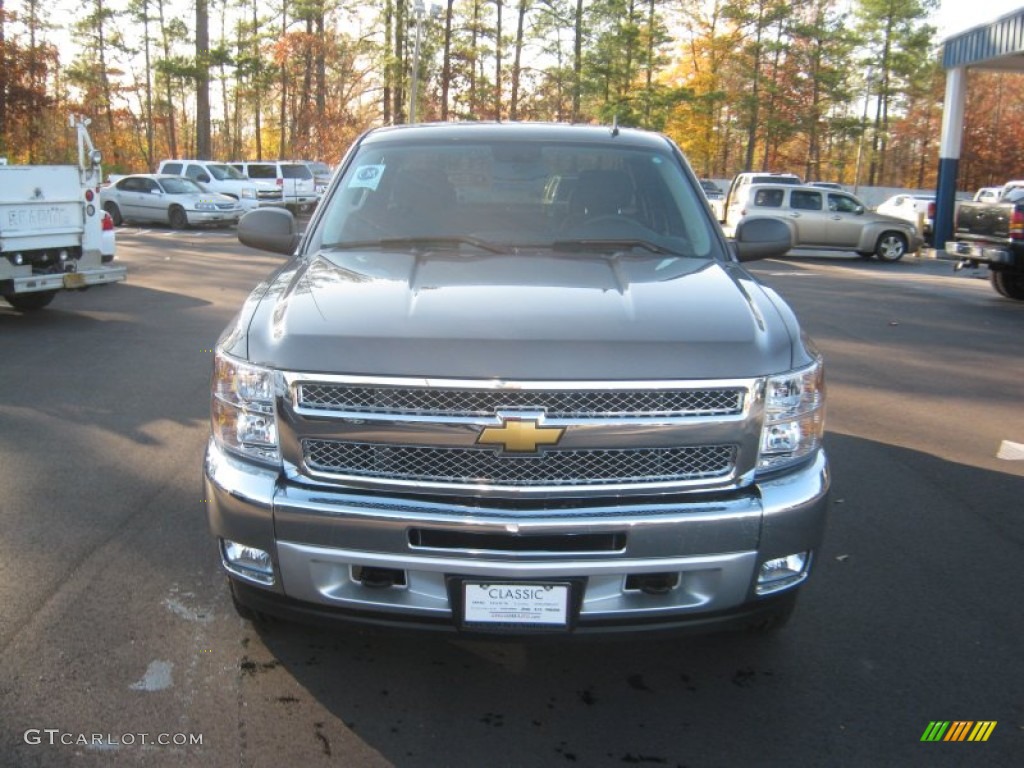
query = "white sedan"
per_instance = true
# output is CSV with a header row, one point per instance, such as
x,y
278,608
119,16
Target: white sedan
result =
x,y
167,199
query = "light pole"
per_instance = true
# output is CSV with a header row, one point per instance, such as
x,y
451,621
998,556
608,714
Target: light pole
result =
x,y
869,82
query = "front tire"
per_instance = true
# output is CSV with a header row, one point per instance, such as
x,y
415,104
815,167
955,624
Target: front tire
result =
x,y
246,612
30,302
1008,284
778,618
178,218
891,246
115,213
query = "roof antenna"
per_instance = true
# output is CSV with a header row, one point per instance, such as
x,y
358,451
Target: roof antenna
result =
x,y
615,125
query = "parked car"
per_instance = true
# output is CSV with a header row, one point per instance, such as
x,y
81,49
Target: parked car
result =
x,y
742,182
918,209
321,175
167,199
989,234
988,195
463,406
823,218
715,196
295,180
221,177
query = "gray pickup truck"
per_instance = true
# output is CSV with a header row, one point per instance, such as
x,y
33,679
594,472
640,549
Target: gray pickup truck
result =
x,y
992,234
468,404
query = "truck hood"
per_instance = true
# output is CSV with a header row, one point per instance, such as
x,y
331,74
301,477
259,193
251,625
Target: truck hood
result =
x,y
536,316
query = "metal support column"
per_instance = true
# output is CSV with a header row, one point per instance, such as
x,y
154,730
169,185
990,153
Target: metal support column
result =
x,y
949,153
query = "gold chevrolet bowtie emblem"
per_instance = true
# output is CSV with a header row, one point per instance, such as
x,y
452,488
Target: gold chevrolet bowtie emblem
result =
x,y
520,435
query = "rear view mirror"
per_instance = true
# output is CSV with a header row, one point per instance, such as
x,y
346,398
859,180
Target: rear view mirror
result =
x,y
269,229
761,237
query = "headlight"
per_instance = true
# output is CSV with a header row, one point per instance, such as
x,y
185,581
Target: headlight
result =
x,y
242,409
249,193
794,417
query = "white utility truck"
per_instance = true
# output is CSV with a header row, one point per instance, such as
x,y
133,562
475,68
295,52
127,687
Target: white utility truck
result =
x,y
51,228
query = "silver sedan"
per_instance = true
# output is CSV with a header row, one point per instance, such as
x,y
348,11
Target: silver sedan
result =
x,y
167,199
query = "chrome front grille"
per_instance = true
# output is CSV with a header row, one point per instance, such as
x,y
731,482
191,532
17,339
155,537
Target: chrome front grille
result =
x,y
513,438
556,404
555,468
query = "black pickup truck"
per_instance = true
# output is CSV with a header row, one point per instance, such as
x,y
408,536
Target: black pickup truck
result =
x,y
993,234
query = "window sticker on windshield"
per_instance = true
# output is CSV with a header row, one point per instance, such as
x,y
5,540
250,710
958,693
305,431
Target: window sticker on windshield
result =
x,y
367,176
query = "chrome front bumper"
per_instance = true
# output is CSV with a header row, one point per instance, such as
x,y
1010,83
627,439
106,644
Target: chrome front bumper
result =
x,y
320,540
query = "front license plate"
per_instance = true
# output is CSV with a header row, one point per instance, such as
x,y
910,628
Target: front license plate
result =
x,y
74,280
516,604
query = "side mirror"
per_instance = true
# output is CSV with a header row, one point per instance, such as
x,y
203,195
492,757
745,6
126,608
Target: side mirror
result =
x,y
269,229
859,210
762,238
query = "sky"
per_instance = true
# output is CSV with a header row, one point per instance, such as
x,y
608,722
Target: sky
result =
x,y
955,16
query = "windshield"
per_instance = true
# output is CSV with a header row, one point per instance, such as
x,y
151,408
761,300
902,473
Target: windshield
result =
x,y
517,195
182,186
222,172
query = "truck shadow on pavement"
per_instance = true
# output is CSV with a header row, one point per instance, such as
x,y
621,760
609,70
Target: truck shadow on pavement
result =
x,y
915,568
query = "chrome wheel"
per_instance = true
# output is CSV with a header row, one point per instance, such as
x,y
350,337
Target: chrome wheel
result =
x,y
891,246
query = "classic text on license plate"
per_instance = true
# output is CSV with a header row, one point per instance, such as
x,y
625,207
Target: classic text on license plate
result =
x,y
518,604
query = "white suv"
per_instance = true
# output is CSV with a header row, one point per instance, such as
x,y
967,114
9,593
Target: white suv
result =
x,y
221,177
295,180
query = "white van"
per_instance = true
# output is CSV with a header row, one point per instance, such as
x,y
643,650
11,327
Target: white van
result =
x,y
221,177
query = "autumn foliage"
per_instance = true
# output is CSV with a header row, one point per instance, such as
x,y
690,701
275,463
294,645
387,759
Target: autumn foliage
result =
x,y
828,89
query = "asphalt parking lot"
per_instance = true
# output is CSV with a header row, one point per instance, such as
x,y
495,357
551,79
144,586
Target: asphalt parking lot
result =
x,y
115,620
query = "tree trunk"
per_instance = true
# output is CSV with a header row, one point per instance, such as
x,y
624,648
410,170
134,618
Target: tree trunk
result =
x,y
283,106
497,64
446,70
517,61
577,61
203,147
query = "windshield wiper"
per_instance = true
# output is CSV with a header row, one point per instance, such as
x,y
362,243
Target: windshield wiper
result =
x,y
617,245
428,241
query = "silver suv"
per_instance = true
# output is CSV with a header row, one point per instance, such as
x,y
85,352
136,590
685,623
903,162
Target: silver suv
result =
x,y
823,218
471,404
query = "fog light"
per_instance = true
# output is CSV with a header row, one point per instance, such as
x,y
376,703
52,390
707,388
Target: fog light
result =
x,y
783,572
247,562
63,256
19,259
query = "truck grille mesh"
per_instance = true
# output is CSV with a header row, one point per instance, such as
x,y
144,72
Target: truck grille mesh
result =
x,y
585,404
467,466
